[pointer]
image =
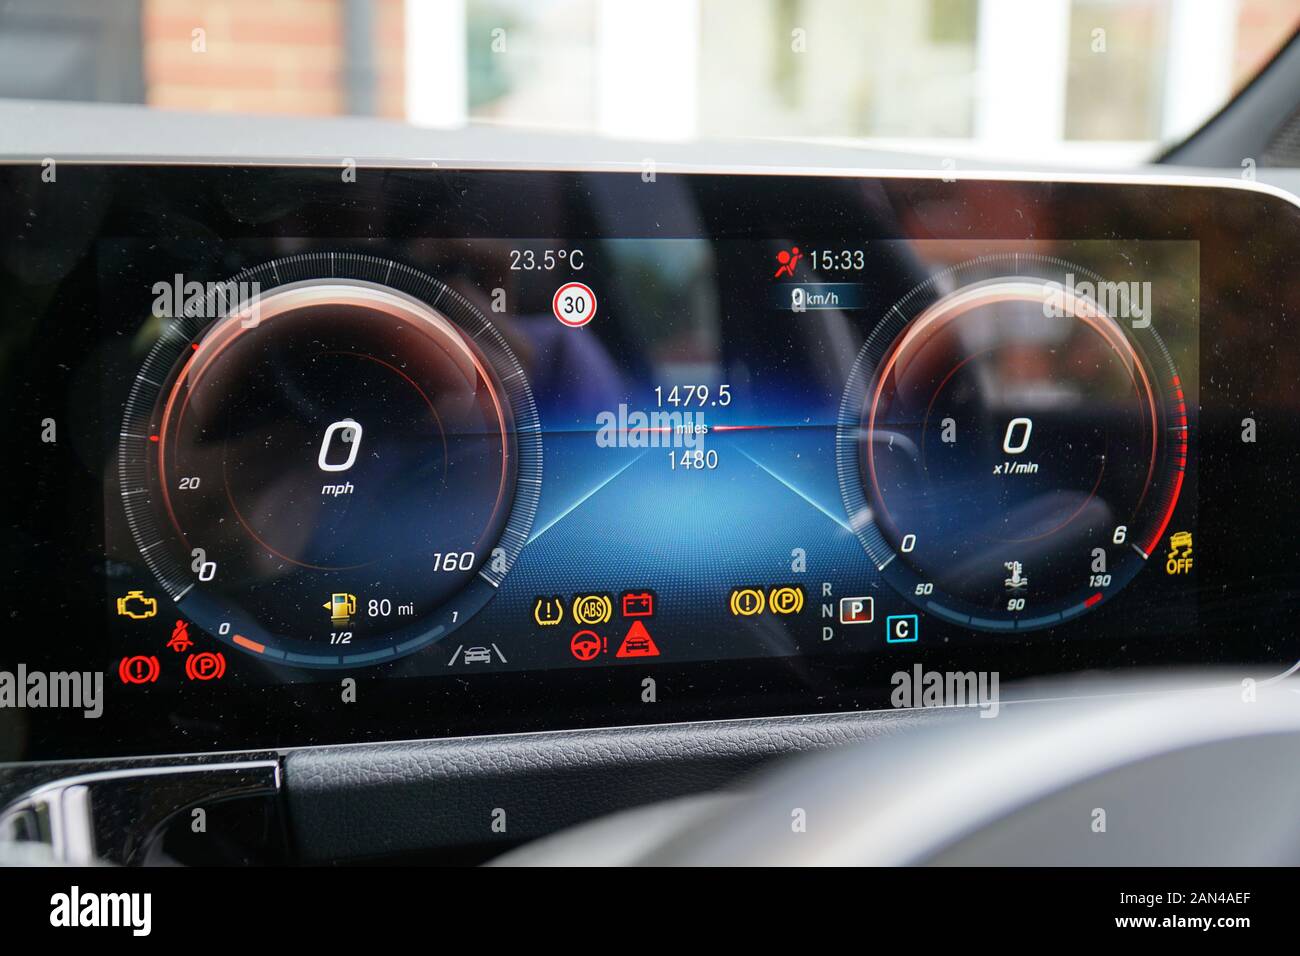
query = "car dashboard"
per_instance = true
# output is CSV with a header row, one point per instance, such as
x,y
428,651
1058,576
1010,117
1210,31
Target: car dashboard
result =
x,y
312,458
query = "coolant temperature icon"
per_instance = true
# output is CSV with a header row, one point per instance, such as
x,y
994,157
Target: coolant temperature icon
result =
x,y
1017,581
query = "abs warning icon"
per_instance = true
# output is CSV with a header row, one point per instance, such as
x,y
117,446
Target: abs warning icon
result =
x,y
638,643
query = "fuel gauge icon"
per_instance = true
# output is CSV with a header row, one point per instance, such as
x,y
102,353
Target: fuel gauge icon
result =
x,y
342,608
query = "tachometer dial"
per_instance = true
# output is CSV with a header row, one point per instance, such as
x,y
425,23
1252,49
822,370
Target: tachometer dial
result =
x,y
341,471
1010,454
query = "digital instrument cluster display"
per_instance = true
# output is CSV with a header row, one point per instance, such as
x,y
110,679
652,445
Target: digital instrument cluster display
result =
x,y
593,455
490,466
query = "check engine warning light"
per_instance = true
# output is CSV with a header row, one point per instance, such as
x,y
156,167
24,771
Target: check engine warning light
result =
x,y
548,611
136,606
1180,553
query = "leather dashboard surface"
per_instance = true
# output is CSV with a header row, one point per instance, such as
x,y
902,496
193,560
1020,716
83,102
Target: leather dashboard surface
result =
x,y
354,801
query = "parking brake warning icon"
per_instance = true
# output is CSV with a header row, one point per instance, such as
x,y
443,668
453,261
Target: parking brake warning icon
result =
x,y
638,643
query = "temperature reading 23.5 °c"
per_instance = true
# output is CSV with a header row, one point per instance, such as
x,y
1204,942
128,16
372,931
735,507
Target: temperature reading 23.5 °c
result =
x,y
546,260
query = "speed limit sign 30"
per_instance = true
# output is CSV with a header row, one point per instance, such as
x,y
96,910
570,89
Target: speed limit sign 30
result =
x,y
574,304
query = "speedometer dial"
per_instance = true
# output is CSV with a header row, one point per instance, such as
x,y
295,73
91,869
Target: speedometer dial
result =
x,y
1009,453
340,471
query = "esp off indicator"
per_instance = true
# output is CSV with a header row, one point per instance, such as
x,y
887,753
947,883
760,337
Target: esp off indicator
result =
x,y
574,304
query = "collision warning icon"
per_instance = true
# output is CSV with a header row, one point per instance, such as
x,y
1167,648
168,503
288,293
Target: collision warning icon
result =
x,y
638,643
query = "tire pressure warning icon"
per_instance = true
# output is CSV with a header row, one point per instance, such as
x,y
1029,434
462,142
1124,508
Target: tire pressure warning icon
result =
x,y
548,611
